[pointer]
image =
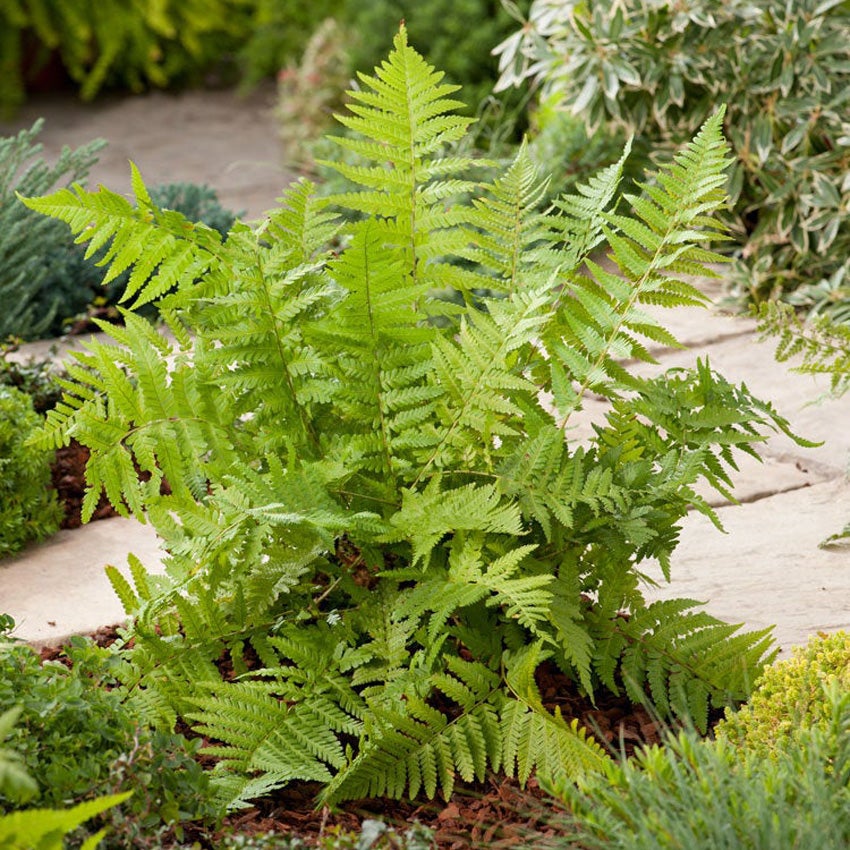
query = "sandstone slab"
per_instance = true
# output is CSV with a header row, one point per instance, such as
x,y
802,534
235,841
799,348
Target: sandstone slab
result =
x,y
768,569
220,138
59,588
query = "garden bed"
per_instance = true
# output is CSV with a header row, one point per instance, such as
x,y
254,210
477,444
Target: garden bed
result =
x,y
496,813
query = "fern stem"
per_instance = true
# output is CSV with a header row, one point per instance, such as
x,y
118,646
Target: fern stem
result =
x,y
411,122
376,359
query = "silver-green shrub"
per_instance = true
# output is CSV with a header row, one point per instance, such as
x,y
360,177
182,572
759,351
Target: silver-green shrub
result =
x,y
654,68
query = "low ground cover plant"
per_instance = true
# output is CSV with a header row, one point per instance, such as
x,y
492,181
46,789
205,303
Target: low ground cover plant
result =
x,y
653,69
776,775
44,829
37,377
29,510
78,743
707,794
374,494
792,695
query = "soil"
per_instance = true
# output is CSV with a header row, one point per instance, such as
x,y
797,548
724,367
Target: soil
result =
x,y
495,814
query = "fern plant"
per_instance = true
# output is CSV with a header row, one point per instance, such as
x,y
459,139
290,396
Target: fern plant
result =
x,y
46,828
374,493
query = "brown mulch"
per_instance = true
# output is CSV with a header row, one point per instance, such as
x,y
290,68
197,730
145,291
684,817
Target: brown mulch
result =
x,y
69,481
68,474
495,814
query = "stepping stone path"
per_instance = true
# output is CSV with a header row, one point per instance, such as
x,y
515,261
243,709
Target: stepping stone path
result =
x,y
767,569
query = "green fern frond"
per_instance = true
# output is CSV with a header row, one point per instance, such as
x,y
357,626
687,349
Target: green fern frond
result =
x,y
257,733
164,248
579,227
445,592
257,347
532,738
300,228
698,412
132,596
427,516
405,116
505,228
421,749
549,481
388,646
481,374
601,324
683,660
149,422
823,344
383,350
406,111
474,575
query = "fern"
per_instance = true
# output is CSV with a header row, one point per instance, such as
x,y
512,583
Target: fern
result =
x,y
370,491
423,749
684,662
21,830
823,345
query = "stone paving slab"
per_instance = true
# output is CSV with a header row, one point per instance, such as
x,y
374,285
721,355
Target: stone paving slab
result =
x,y
219,138
59,588
767,568
56,349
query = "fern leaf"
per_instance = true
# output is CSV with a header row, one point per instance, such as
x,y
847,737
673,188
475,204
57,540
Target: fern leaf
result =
x,y
582,216
299,229
258,734
602,323
507,226
383,345
427,516
534,738
684,659
823,344
420,749
480,373
405,115
165,248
